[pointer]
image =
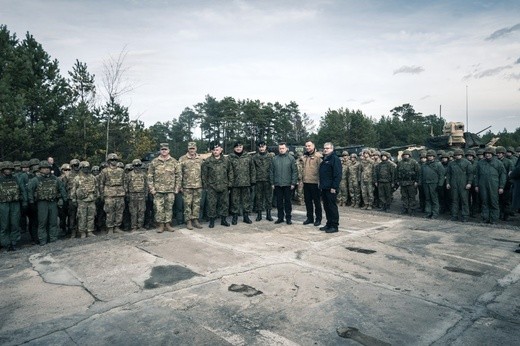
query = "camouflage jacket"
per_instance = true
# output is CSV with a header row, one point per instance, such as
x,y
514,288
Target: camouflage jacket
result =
x,y
84,188
136,182
354,171
263,164
385,172
408,172
191,168
12,189
367,170
164,175
46,188
244,173
217,173
68,181
112,182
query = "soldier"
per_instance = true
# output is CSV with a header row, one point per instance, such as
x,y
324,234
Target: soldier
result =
x,y
431,179
407,176
191,184
299,188
376,157
444,194
343,185
311,161
217,176
112,190
354,178
17,168
385,179
473,198
422,199
244,176
12,194
63,211
459,178
136,188
505,198
85,192
164,179
490,180
263,191
44,190
510,154
367,179
72,208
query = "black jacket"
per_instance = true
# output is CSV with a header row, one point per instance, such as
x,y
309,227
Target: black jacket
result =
x,y
330,172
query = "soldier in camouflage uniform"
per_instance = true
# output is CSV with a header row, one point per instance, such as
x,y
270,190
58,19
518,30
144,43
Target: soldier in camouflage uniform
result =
x,y
164,180
299,188
510,154
32,211
216,180
444,194
136,188
72,208
367,179
112,189
354,177
376,157
490,180
505,198
385,179
191,185
263,190
244,177
431,178
407,177
343,185
44,190
473,198
85,192
459,178
12,194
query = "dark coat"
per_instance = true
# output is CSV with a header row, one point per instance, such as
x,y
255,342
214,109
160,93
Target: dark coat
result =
x,y
330,172
515,179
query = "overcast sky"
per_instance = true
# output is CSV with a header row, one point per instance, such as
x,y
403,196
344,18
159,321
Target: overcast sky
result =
x,y
371,55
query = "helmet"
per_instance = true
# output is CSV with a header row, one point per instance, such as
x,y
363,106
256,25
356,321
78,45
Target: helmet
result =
x,y
25,164
84,164
354,155
489,150
95,168
17,164
517,149
129,167
103,165
344,153
120,164
34,162
407,152
480,151
7,165
65,166
112,156
440,152
137,162
431,153
387,154
74,162
423,154
377,153
471,152
445,155
458,151
45,164
510,149
500,149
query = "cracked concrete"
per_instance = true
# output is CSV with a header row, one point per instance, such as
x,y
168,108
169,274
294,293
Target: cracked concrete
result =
x,y
381,275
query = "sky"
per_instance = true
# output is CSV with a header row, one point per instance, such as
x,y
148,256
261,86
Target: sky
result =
x,y
370,55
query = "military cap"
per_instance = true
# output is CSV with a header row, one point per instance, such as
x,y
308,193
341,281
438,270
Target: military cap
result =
x,y
431,153
25,164
84,164
112,156
34,162
17,164
192,145
510,149
489,150
237,143
500,149
44,164
7,165
261,144
120,164
344,153
458,151
137,162
95,168
480,151
407,152
65,166
74,162
471,152
165,146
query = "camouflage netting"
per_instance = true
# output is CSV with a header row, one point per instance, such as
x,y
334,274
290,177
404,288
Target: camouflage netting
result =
x,y
441,142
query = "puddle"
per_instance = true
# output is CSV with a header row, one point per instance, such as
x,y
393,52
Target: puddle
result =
x,y
360,250
463,271
167,275
248,291
363,339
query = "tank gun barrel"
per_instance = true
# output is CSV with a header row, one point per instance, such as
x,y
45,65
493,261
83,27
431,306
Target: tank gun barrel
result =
x,y
483,130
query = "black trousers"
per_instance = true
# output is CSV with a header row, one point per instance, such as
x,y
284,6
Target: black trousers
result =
x,y
311,194
283,201
331,208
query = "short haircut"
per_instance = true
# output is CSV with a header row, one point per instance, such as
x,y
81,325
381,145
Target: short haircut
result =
x,y
329,144
282,143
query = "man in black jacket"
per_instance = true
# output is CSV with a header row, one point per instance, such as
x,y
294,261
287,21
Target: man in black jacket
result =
x,y
330,177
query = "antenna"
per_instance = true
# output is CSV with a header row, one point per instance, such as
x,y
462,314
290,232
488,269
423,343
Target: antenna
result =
x,y
467,119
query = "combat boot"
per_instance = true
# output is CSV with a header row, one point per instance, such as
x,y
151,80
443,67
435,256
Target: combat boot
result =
x,y
259,216
223,221
211,222
118,230
197,224
189,225
369,207
247,219
160,228
234,220
268,216
82,235
90,234
73,234
169,227
110,230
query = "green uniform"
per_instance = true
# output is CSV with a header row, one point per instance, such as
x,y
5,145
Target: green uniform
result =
x,y
164,179
12,194
244,176
44,191
216,179
458,175
431,178
407,175
490,176
191,183
84,194
263,188
504,200
385,179
112,188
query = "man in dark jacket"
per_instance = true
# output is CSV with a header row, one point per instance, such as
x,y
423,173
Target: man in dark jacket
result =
x,y
284,177
330,177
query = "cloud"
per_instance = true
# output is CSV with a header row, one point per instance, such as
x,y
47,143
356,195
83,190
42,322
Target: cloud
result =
x,y
487,73
503,32
424,97
368,101
517,61
409,69
515,76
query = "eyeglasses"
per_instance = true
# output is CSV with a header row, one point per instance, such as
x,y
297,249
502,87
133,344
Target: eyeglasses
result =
x,y
164,148
66,170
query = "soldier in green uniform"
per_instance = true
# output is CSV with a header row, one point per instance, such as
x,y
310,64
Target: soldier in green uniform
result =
x,y
504,199
490,180
12,195
191,185
407,176
376,157
85,192
32,211
510,154
216,180
112,190
136,188
263,191
244,177
164,180
473,197
385,179
431,178
444,195
354,178
367,172
459,178
422,199
45,190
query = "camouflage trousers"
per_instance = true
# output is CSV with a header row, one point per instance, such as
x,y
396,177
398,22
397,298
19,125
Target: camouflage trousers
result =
x,y
9,223
192,199
355,192
263,196
218,203
241,197
86,216
367,192
299,194
343,192
114,208
72,216
137,207
163,205
408,193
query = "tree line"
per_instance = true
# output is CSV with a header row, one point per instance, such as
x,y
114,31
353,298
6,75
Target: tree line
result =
x,y
44,113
